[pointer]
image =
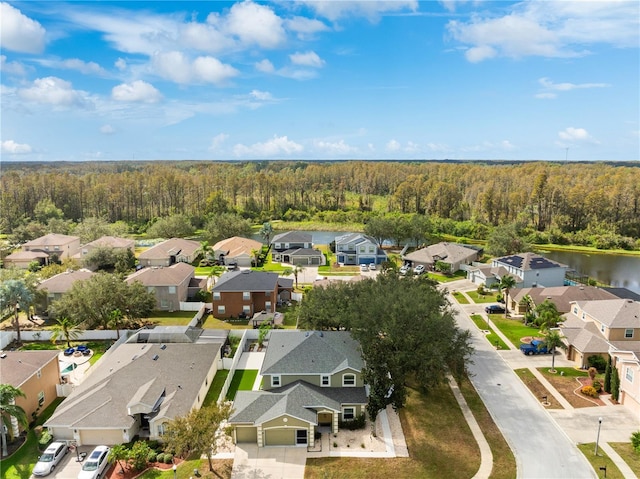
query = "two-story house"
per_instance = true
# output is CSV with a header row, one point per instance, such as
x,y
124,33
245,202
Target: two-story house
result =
x,y
311,379
530,270
562,296
171,285
244,293
171,251
296,247
36,374
108,242
626,358
156,376
358,248
236,250
59,284
592,327
47,248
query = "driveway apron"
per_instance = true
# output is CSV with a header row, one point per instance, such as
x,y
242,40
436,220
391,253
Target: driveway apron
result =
x,y
253,462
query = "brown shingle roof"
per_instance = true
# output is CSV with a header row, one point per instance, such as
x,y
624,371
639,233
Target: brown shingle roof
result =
x,y
51,239
162,276
18,366
61,283
170,247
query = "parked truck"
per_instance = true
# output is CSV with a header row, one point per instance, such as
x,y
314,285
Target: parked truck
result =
x,y
535,347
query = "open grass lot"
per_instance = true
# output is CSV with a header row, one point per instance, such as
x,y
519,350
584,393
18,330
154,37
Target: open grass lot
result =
x,y
626,452
536,388
20,464
212,323
222,470
460,298
600,460
567,383
513,329
438,439
492,337
175,318
216,387
504,464
442,278
483,298
243,380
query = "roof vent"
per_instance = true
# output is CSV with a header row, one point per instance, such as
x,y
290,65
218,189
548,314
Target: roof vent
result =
x,y
163,347
134,357
3,355
155,358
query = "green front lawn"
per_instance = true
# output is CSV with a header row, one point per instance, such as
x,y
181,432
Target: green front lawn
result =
x,y
492,337
213,323
175,318
601,460
442,278
483,298
20,464
626,452
513,329
243,380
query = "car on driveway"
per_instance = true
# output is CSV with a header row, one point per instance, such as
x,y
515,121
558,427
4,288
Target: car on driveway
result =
x,y
95,465
404,269
419,269
364,268
494,309
50,458
372,267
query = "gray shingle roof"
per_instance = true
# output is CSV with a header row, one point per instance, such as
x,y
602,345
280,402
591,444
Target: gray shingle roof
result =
x,y
292,237
247,280
162,276
170,247
311,352
562,296
448,252
614,313
61,283
303,252
112,242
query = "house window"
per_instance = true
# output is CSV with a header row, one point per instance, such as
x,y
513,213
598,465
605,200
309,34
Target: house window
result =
x,y
246,295
39,373
575,310
216,295
40,398
629,375
267,306
348,413
246,309
325,380
363,249
164,303
221,309
161,429
628,333
275,381
602,328
151,289
172,290
348,380
372,249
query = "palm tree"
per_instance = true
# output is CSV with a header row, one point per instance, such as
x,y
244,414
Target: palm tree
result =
x,y
65,328
547,315
14,293
507,283
266,231
206,250
553,340
296,271
10,411
255,253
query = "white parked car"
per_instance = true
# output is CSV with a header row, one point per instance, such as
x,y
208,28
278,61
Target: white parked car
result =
x,y
372,267
96,464
50,458
419,269
364,267
404,269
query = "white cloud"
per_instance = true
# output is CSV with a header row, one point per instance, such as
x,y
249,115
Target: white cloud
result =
x,y
55,91
334,148
549,85
107,130
13,148
137,91
261,95
574,134
265,66
177,67
121,64
334,10
19,32
548,29
307,59
74,64
255,24
393,145
546,96
438,147
507,145
217,141
12,68
278,145
305,27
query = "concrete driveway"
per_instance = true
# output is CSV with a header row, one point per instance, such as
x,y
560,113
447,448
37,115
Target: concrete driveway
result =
x,y
253,462
69,467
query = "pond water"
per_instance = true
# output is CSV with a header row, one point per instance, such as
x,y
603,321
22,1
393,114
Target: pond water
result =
x,y
319,237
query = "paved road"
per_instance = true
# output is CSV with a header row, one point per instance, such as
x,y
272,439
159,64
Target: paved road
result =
x,y
540,447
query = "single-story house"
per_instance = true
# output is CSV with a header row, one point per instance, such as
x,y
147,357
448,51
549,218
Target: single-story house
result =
x,y
23,259
171,251
451,254
236,250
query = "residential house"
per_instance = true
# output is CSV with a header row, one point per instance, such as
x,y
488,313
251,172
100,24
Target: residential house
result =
x,y
626,358
236,250
529,270
51,247
174,250
450,254
311,379
59,284
138,386
592,327
108,242
244,293
561,296
295,247
358,248
36,374
171,285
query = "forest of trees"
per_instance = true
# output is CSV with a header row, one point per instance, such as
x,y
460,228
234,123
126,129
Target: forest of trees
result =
x,y
555,202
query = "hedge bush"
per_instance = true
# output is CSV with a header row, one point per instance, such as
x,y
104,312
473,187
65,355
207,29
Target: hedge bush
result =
x,y
352,425
589,391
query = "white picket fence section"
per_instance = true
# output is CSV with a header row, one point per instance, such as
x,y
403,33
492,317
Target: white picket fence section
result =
x,y
6,337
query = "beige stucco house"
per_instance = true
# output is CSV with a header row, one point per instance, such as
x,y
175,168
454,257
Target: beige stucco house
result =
x,y
171,251
451,254
236,250
59,284
171,285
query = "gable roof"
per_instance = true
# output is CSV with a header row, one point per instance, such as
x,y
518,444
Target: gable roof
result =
x,y
112,242
18,366
247,280
170,247
52,239
61,283
303,252
237,245
311,352
562,296
298,399
292,237
586,339
26,255
529,261
355,238
129,374
162,276
444,251
614,313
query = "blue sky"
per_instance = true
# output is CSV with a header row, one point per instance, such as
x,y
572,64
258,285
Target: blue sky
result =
x,y
530,80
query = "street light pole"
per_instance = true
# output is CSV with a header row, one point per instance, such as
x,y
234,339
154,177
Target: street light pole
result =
x,y
597,437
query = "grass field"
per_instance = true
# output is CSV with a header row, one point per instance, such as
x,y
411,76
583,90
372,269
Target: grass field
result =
x,y
243,380
460,298
626,452
216,387
601,460
513,329
536,388
175,318
492,337
483,298
441,278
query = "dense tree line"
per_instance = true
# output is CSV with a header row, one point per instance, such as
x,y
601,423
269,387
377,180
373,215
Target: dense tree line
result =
x,y
548,198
